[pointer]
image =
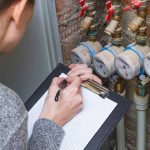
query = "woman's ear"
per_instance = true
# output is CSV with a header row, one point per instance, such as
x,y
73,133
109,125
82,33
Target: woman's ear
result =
x,y
18,9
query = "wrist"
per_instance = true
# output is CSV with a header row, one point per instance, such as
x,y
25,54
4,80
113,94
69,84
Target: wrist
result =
x,y
54,118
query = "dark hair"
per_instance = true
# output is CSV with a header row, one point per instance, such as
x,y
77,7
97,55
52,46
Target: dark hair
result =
x,y
4,4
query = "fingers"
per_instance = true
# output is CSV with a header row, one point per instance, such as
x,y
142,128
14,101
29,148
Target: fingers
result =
x,y
96,79
72,65
91,77
54,87
57,81
77,66
78,71
74,82
69,103
84,72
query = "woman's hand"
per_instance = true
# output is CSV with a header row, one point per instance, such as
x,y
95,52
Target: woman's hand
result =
x,y
68,104
84,72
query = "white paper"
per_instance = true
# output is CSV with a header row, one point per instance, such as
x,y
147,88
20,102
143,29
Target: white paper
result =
x,y
34,113
80,130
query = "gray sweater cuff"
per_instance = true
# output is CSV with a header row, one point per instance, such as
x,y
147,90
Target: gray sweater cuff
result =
x,y
46,136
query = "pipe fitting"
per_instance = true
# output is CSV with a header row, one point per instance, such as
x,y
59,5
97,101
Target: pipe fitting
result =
x,y
141,90
117,33
114,24
117,38
135,24
138,20
93,27
141,96
141,103
92,36
110,29
86,23
119,86
141,37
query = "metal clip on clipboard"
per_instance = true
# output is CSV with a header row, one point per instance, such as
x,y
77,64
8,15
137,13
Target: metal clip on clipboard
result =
x,y
96,88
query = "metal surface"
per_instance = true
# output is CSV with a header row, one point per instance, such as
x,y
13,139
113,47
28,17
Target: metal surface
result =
x,y
51,31
30,63
141,130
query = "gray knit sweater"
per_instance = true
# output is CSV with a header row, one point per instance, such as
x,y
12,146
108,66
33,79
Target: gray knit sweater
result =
x,y
13,126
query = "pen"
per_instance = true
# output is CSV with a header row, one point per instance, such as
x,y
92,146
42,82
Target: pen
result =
x,y
61,86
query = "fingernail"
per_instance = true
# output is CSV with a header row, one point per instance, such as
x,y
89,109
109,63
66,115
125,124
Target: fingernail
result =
x,y
69,73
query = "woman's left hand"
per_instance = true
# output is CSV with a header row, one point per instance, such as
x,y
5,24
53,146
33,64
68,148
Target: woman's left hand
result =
x,y
84,72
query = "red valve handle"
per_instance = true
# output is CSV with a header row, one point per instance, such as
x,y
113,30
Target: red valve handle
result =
x,y
81,13
107,18
127,8
137,5
108,5
110,11
134,4
82,2
84,8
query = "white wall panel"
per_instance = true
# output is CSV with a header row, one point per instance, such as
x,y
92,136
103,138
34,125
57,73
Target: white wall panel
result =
x,y
29,64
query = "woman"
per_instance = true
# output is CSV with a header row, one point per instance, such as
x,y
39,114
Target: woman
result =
x,y
47,132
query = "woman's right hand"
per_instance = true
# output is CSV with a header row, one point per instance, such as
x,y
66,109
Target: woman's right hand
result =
x,y
68,104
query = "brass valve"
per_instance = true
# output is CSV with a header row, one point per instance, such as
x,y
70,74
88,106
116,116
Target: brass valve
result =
x,y
119,85
141,37
86,23
117,38
138,20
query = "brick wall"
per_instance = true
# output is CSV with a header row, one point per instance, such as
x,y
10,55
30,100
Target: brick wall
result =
x,y
148,22
69,24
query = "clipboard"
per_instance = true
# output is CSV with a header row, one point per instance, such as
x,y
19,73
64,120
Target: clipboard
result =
x,y
104,131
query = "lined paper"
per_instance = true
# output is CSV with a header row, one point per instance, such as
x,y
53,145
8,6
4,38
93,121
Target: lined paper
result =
x,y
80,130
34,113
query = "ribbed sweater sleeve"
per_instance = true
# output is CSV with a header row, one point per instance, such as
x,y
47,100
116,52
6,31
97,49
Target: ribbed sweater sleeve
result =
x,y
46,135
